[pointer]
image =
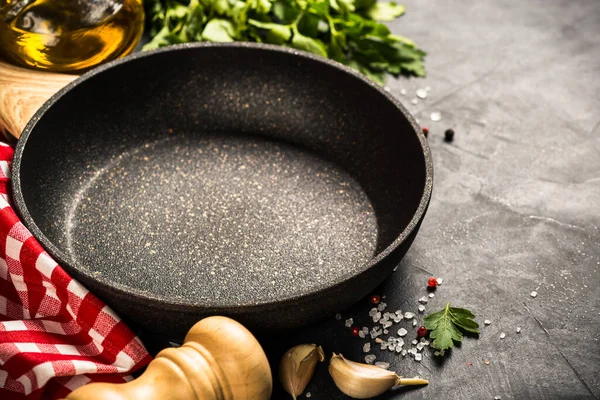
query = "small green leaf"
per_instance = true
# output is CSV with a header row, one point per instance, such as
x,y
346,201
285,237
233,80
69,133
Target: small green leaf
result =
x,y
263,6
343,6
311,45
162,38
463,318
218,30
276,34
284,11
444,326
386,12
309,25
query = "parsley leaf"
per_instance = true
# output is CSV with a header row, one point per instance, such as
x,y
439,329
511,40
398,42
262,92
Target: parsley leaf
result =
x,y
347,31
445,326
385,11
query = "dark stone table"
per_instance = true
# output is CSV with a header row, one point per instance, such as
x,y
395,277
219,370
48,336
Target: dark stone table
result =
x,y
515,207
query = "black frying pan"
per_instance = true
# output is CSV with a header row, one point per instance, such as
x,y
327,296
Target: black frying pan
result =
x,y
257,182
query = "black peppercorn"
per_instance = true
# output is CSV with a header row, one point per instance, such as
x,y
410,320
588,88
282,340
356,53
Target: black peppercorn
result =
x,y
449,135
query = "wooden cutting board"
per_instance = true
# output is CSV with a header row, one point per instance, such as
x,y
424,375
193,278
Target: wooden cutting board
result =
x,y
22,93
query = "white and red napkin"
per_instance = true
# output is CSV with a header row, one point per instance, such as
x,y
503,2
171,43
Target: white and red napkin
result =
x,y
55,336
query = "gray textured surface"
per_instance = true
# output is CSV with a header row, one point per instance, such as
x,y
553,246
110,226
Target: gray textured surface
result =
x,y
515,206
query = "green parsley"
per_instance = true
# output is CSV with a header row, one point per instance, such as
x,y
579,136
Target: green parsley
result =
x,y
445,326
348,31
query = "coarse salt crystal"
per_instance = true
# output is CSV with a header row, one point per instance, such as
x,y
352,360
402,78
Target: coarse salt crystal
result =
x,y
421,93
384,346
385,331
373,312
409,315
421,308
338,316
497,397
414,341
402,92
349,322
420,346
404,352
502,335
382,364
365,330
431,295
533,294
367,347
387,89
361,334
414,322
418,357
308,394
402,332
370,358
440,281
381,306
487,322
415,101
423,300
518,329
377,317
388,324
399,347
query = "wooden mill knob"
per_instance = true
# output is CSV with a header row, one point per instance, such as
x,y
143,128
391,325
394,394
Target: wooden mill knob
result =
x,y
219,360
22,93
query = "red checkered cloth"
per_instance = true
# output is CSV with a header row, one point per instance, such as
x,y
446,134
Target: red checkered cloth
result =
x,y
55,336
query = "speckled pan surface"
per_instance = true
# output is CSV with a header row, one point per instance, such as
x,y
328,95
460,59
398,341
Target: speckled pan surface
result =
x,y
252,181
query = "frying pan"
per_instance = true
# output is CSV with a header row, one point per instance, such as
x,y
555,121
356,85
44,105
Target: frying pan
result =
x,y
257,182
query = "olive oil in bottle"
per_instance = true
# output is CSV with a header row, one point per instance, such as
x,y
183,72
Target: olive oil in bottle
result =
x,y
68,35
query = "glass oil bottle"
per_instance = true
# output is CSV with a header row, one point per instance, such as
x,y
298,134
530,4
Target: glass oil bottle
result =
x,y
68,35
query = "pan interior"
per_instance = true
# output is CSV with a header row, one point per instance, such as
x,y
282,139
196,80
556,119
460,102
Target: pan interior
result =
x,y
233,219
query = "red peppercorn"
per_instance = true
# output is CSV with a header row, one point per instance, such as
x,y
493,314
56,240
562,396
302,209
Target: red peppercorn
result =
x,y
432,282
425,131
355,331
422,331
375,299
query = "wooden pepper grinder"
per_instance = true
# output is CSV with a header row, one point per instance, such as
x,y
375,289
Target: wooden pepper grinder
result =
x,y
219,360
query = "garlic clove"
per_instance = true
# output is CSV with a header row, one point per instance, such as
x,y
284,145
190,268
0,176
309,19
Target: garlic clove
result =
x,y
363,381
297,367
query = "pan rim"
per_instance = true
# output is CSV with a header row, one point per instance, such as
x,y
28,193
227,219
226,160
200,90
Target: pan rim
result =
x,y
60,257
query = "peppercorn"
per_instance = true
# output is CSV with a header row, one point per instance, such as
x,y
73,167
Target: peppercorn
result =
x,y
355,331
432,282
422,331
375,299
449,135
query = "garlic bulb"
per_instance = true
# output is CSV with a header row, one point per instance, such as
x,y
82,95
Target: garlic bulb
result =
x,y
297,367
363,381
